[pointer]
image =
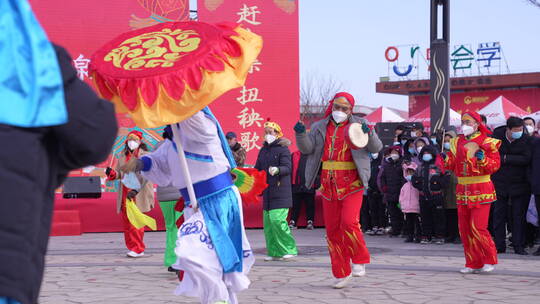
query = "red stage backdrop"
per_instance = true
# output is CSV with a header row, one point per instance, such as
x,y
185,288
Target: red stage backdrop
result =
x,y
272,88
527,99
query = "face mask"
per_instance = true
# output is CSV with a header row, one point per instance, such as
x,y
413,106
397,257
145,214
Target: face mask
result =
x,y
269,138
133,145
530,129
413,135
447,146
374,155
339,116
403,142
516,135
394,156
412,151
467,130
408,177
419,149
396,143
434,141
427,157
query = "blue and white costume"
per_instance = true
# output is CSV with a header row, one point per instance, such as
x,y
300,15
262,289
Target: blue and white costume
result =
x,y
215,267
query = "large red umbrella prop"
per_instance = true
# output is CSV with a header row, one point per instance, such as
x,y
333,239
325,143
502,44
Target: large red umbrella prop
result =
x,y
164,74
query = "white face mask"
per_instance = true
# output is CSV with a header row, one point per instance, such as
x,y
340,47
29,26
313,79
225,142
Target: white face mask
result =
x,y
530,129
269,138
133,145
339,116
374,155
394,156
467,130
419,149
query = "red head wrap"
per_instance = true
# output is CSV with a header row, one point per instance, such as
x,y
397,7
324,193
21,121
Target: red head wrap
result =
x,y
481,127
345,95
135,133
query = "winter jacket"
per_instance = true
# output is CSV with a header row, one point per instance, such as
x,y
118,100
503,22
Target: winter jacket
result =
x,y
34,162
279,193
375,167
512,178
168,193
391,179
312,144
299,174
535,166
429,178
408,197
239,154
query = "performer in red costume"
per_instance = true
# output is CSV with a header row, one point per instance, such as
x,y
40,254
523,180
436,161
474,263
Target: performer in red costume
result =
x,y
473,157
345,171
143,197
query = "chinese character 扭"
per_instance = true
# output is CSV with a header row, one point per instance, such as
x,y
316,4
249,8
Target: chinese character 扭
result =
x,y
248,95
248,14
247,119
81,65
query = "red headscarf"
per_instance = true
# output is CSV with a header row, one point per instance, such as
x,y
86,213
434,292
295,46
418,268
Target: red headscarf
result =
x,y
347,96
135,133
481,127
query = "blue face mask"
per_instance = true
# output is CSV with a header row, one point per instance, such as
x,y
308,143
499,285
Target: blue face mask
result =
x,y
408,177
403,142
412,151
434,141
427,157
516,135
447,146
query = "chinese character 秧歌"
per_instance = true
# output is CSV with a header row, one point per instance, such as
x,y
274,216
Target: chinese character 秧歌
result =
x,y
247,118
248,95
249,141
488,52
81,65
462,58
248,14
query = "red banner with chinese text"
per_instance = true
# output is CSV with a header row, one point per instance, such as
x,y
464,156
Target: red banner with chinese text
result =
x,y
84,26
527,99
272,88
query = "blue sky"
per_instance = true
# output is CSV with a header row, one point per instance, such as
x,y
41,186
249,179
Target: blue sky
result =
x,y
346,39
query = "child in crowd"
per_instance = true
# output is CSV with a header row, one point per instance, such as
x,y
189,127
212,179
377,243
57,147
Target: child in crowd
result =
x,y
410,206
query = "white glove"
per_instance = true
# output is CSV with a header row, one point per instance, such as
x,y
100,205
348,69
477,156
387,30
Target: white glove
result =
x,y
273,171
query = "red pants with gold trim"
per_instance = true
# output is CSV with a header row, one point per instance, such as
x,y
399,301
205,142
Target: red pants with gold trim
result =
x,y
132,236
477,242
345,240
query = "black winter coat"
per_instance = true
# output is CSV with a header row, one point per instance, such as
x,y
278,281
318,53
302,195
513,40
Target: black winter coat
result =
x,y
391,180
513,175
429,179
34,162
375,167
535,166
279,192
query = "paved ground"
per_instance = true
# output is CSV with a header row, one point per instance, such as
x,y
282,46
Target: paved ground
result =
x,y
92,269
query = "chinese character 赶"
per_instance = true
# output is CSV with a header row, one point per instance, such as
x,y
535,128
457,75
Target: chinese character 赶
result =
x,y
248,14
249,141
247,119
255,66
488,52
248,95
462,54
81,65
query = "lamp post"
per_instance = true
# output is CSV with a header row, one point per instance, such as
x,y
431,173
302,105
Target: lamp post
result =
x,y
439,65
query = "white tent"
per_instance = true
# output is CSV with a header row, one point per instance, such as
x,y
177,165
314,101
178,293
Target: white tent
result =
x,y
498,111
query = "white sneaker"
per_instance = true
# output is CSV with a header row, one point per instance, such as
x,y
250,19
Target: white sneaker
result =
x,y
269,258
487,268
468,270
287,257
343,282
133,254
358,270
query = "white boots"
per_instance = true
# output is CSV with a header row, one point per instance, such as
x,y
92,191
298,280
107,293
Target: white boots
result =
x,y
486,269
358,270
